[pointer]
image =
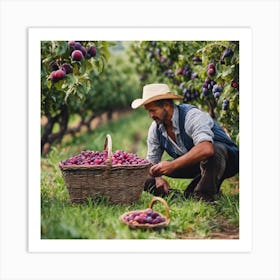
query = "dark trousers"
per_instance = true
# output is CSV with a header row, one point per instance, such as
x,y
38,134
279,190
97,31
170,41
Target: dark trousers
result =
x,y
207,175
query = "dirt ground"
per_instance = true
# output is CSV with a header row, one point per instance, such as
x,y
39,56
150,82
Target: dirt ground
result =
x,y
227,232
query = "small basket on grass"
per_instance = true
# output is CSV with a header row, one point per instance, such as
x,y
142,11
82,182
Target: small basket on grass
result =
x,y
120,184
147,218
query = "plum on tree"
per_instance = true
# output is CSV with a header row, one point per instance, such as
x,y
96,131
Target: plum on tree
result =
x,y
66,68
77,55
91,51
57,75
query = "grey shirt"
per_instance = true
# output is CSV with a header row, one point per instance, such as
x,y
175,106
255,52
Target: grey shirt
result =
x,y
198,126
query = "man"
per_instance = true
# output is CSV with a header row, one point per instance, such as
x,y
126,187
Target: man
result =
x,y
198,145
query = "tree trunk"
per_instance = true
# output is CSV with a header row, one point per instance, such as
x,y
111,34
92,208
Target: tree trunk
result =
x,y
48,137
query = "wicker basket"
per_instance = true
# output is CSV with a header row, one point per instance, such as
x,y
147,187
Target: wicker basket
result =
x,y
118,183
147,225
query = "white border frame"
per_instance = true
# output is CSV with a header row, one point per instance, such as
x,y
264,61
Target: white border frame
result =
x,y
243,35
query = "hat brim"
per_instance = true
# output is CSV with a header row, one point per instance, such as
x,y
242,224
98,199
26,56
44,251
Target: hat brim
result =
x,y
140,102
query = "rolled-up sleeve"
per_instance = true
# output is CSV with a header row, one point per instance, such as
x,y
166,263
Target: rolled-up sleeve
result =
x,y
155,152
199,126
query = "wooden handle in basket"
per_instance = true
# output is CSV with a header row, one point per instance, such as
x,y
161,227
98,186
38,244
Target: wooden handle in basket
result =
x,y
155,199
108,147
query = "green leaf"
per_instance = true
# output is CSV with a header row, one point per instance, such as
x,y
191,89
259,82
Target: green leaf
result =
x,y
70,90
76,68
227,72
49,84
83,66
61,48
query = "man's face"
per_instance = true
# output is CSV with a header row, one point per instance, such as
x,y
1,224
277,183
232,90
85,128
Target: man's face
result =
x,y
157,113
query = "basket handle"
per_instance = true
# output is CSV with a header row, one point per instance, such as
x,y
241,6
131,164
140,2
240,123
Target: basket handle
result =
x,y
155,199
108,147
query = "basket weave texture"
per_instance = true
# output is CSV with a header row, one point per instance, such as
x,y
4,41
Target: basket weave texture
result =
x,y
147,225
121,184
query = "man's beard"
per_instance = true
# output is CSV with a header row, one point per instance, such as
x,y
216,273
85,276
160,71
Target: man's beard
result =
x,y
162,118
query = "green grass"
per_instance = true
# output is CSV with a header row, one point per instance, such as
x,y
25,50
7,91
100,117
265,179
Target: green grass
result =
x,y
99,219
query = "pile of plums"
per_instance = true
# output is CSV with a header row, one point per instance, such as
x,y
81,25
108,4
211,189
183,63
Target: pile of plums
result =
x,y
100,158
147,216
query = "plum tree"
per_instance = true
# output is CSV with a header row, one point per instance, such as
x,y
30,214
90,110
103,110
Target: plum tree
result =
x,y
65,82
90,87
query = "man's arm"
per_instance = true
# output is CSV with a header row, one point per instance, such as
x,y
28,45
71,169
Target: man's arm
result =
x,y
198,153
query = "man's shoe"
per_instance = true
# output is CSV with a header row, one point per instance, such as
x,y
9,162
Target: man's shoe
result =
x,y
203,196
190,188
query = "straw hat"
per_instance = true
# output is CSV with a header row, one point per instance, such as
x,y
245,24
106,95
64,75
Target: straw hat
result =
x,y
153,92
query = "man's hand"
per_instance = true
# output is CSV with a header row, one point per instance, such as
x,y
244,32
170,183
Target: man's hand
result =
x,y
162,184
162,168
